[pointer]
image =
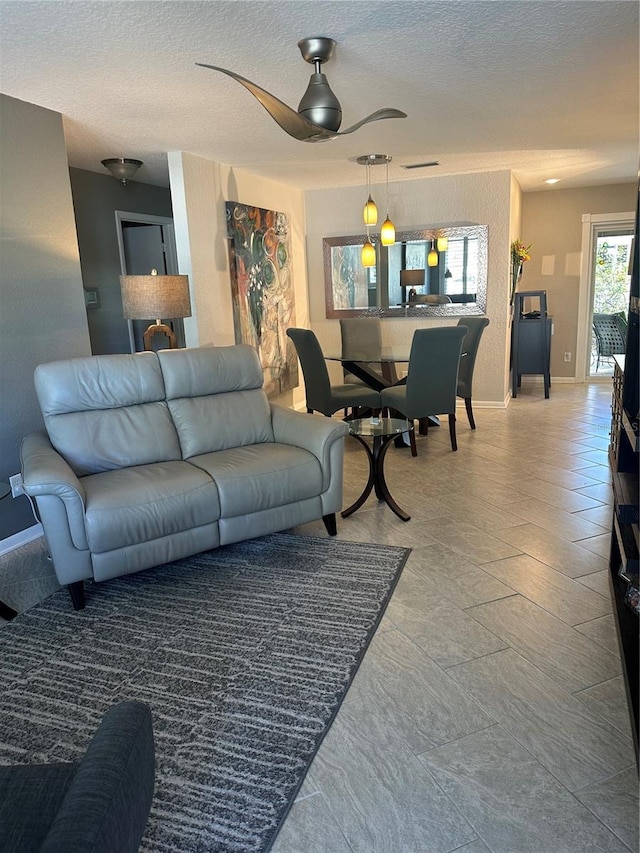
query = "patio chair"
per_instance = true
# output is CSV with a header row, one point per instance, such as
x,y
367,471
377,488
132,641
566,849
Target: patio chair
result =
x,y
611,335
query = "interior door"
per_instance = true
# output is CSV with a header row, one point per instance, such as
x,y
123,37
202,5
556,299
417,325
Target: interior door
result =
x,y
146,243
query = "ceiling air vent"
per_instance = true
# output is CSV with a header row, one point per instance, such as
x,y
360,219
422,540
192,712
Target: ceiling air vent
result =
x,y
422,165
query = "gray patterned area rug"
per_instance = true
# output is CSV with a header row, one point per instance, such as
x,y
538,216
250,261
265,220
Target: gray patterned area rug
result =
x,y
244,654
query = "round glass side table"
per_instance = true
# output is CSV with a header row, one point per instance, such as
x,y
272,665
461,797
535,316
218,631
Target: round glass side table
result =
x,y
383,431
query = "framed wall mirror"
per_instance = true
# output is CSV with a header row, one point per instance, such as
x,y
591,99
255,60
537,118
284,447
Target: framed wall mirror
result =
x,y
441,271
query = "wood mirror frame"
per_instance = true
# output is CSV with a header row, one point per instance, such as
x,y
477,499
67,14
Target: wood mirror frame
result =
x,y
377,292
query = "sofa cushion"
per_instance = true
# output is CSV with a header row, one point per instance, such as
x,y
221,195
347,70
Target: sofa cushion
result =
x,y
147,502
215,397
261,476
107,412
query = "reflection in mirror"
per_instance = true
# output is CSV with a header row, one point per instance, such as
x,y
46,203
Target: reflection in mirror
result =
x,y
411,278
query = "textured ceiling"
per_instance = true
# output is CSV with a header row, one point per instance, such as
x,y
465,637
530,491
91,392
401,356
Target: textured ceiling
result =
x,y
548,89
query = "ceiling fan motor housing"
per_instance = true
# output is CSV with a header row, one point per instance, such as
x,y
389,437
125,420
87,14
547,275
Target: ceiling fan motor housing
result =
x,y
319,105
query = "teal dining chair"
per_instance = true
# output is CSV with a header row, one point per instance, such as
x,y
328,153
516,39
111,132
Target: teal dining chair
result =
x,y
432,379
475,328
321,395
362,340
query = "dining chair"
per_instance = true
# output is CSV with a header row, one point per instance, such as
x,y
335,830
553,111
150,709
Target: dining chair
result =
x,y
475,328
432,379
432,299
321,395
362,340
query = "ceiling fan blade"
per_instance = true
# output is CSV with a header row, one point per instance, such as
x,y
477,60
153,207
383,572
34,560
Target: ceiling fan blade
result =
x,y
289,120
387,112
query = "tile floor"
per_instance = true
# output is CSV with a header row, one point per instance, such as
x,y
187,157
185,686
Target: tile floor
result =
x,y
489,712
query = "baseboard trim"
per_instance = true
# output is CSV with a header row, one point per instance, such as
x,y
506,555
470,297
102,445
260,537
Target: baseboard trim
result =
x,y
22,537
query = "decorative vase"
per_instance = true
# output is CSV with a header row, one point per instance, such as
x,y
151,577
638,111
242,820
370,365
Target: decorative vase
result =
x,y
516,275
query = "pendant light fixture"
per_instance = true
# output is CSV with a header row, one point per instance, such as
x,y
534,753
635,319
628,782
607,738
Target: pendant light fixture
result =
x,y
432,257
442,243
388,229
370,211
368,255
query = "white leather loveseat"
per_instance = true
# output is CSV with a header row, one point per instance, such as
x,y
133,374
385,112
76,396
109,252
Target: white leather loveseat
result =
x,y
152,457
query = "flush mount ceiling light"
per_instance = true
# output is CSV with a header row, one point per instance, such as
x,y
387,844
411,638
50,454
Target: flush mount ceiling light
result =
x,y
319,113
122,168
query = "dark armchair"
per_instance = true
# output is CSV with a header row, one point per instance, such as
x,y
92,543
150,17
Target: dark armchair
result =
x,y
97,805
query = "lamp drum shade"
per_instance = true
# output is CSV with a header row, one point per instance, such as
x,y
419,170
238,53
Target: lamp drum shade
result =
x,y
146,297
412,278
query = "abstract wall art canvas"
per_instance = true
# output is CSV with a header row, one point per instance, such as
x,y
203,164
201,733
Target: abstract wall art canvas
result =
x,y
262,290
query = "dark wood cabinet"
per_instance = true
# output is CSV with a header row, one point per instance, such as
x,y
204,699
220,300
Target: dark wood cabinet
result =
x,y
530,339
624,454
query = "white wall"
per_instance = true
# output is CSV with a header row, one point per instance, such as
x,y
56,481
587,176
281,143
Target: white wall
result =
x,y
42,313
484,198
199,190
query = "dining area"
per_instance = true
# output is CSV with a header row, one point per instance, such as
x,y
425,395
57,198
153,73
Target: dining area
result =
x,y
390,391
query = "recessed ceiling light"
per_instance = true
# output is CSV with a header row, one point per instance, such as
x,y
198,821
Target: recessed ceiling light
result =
x,y
552,180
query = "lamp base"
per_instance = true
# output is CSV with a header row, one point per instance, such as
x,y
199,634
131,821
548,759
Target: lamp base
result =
x,y
156,328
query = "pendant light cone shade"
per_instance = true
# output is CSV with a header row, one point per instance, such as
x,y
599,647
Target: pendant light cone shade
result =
x,y
370,212
443,244
387,232
432,257
368,254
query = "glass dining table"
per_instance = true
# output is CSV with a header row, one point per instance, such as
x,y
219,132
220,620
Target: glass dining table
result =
x,y
366,368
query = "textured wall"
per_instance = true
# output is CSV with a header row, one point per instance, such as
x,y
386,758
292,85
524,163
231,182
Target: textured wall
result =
x,y
482,198
199,189
42,313
95,200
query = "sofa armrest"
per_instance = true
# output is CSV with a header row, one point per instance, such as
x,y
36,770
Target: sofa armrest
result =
x,y
310,432
45,472
107,804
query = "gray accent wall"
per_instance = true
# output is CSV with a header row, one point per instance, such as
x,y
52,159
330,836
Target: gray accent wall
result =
x,y
42,313
96,198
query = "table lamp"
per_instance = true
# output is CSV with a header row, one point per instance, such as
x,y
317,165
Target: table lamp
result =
x,y
146,296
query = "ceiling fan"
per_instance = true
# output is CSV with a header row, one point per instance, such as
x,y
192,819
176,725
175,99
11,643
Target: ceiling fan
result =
x,y
319,113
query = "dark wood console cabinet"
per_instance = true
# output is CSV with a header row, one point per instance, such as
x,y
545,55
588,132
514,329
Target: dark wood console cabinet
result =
x,y
624,577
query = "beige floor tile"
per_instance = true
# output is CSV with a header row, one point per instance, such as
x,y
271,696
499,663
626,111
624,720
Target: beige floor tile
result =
x,y
600,515
598,544
601,630
512,801
556,593
598,582
437,625
564,524
573,660
471,542
562,555
577,746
